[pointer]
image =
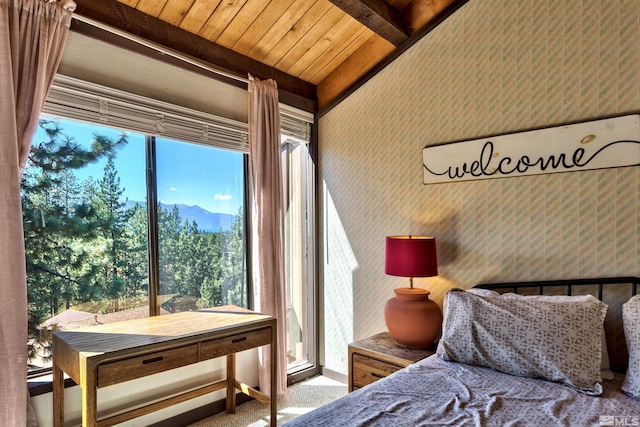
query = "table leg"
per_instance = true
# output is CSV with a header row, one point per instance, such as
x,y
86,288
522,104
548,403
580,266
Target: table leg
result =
x,y
58,397
274,375
231,383
89,398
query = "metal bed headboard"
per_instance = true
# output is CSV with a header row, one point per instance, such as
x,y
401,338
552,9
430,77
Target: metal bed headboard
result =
x,y
614,291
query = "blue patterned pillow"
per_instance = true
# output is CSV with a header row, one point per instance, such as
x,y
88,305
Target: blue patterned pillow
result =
x,y
554,341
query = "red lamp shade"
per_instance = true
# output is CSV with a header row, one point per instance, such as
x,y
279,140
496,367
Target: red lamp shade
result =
x,y
411,256
413,320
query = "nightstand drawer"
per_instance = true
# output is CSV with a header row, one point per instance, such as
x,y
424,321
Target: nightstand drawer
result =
x,y
234,343
367,370
137,367
378,356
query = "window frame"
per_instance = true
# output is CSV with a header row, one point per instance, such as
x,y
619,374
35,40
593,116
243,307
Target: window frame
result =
x,y
308,267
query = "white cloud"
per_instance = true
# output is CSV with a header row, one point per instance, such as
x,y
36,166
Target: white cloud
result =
x,y
173,189
223,197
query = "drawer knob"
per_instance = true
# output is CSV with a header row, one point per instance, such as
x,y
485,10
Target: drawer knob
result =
x,y
152,360
373,374
239,340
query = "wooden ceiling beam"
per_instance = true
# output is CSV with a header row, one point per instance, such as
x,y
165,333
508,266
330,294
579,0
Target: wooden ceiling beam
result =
x,y
132,21
378,16
422,16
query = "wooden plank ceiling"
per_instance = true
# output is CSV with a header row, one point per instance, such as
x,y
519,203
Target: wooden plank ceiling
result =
x,y
314,49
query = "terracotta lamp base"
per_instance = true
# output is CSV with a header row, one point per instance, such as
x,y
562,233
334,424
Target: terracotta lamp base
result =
x,y
413,320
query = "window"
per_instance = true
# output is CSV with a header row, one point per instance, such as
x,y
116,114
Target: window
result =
x,y
122,224
86,228
201,252
299,245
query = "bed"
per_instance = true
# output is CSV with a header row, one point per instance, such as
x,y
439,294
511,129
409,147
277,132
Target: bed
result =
x,y
515,354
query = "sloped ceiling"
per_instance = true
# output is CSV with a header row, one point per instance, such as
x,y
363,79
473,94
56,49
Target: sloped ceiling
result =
x,y
316,50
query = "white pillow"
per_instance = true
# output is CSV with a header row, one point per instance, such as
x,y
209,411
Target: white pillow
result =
x,y
605,367
536,339
631,324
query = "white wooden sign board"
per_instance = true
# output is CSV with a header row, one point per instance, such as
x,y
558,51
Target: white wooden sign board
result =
x,y
597,144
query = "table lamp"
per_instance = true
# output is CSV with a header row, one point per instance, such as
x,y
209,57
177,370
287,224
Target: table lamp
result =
x,y
413,320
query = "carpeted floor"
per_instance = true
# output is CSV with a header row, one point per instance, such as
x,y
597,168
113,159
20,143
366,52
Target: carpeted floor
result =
x,y
299,399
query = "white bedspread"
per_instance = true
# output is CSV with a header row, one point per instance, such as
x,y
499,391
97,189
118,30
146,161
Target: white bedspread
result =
x,y
435,392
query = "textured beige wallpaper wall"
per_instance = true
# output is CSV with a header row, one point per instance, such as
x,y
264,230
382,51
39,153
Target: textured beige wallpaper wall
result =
x,y
494,67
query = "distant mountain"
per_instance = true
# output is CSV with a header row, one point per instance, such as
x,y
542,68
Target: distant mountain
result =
x,y
207,221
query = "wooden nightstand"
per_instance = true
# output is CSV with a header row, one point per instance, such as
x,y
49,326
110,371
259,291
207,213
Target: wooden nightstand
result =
x,y
378,356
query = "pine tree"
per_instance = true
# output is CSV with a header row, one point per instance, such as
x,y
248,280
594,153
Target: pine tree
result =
x,y
209,293
233,263
169,228
136,262
113,216
59,223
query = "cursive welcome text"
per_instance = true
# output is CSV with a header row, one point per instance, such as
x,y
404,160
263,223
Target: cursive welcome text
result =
x,y
483,166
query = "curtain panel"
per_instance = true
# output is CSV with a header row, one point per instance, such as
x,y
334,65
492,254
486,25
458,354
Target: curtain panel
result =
x,y
32,36
267,242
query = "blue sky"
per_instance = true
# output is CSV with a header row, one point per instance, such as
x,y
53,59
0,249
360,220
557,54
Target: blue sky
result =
x,y
187,173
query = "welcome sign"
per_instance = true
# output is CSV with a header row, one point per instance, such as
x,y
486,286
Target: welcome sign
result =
x,y
597,144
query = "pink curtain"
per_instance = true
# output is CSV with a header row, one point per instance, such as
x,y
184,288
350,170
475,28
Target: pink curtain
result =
x,y
267,220
32,35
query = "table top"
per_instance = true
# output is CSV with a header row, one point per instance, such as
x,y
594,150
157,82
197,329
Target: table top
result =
x,y
118,336
383,345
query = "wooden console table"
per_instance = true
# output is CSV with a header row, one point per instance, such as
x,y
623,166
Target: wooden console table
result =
x,y
104,355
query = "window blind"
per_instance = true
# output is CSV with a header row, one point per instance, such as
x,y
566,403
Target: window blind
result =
x,y
295,123
88,102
